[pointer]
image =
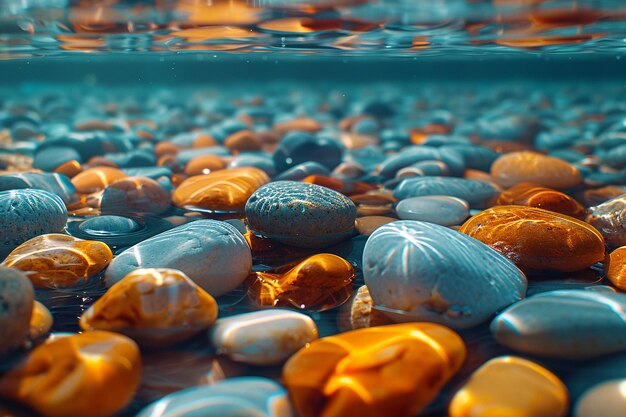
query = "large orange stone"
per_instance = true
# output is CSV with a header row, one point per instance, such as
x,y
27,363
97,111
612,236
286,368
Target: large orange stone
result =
x,y
386,371
93,374
96,179
224,190
537,239
153,306
59,261
532,195
525,166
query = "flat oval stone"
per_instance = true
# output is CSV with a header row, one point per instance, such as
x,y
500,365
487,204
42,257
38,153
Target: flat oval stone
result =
x,y
135,195
54,183
608,218
616,268
223,190
532,195
358,312
265,337
432,273
27,213
154,307
526,166
59,261
96,179
16,298
204,164
474,192
212,253
109,225
300,214
495,389
233,397
40,323
392,370
67,376
443,210
606,399
537,239
298,147
564,324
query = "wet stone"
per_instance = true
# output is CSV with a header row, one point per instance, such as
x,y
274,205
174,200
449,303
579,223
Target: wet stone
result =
x,y
300,214
537,239
511,386
516,167
51,157
605,399
67,376
474,192
54,183
358,312
452,159
154,307
608,218
135,195
303,170
432,273
532,195
393,370
443,210
263,337
299,147
205,250
16,298
109,225
564,324
59,261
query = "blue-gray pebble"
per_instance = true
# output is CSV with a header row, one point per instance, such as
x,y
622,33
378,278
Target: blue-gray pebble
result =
x,y
55,183
472,191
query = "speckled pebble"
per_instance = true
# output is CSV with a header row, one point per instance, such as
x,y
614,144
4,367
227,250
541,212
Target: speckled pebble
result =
x,y
564,324
16,307
418,271
300,214
443,210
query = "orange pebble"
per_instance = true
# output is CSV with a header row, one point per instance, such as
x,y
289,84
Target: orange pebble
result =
x,y
517,167
616,268
93,374
59,261
303,123
344,187
96,179
153,306
224,190
386,371
69,168
204,164
203,140
166,148
532,195
243,141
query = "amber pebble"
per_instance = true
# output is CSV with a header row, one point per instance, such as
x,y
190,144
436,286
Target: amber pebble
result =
x,y
93,374
224,190
525,166
203,140
166,148
69,168
319,282
305,124
94,125
375,197
359,312
243,141
100,161
40,322
616,268
537,239
608,218
16,306
344,187
204,164
153,306
96,179
366,225
532,195
511,386
386,371
59,261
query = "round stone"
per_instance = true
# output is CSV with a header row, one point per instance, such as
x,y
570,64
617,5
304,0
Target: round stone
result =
x,y
27,213
418,271
135,195
368,224
474,192
443,210
16,307
212,253
524,166
564,324
298,147
606,399
96,179
616,268
300,214
532,195
537,239
109,225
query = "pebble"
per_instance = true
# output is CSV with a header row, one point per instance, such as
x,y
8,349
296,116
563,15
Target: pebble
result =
x,y
511,386
134,195
59,261
233,397
28,213
443,210
96,179
224,190
615,268
265,337
606,399
68,375
300,214
41,321
54,183
532,195
524,166
298,147
608,219
317,283
154,307
51,157
537,239
16,299
212,253
204,164
301,171
393,370
564,324
418,271
412,155
474,192
368,224
358,312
